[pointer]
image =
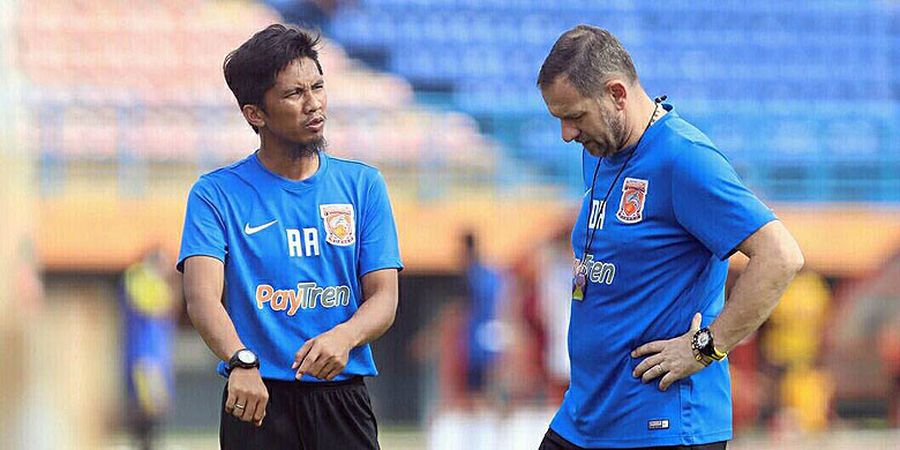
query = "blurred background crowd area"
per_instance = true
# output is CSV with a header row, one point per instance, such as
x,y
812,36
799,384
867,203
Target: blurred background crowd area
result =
x,y
113,108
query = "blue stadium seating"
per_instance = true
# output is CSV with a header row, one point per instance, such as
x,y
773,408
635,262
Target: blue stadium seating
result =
x,y
802,96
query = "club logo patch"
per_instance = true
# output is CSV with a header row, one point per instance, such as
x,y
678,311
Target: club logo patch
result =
x,y
634,194
339,223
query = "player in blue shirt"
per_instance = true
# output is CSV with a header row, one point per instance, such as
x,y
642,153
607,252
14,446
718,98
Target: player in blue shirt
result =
x,y
149,313
304,247
663,210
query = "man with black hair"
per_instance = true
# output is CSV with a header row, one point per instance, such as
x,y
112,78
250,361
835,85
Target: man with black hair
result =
x,y
304,247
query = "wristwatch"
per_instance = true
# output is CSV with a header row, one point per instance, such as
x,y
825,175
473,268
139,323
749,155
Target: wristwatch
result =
x,y
243,358
704,347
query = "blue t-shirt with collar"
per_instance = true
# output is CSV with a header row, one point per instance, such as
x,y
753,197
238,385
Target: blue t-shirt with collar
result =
x,y
660,254
294,252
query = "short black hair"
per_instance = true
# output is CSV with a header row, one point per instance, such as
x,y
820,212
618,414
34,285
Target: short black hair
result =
x,y
588,56
251,69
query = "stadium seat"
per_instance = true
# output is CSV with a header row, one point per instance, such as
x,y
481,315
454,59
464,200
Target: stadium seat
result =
x,y
140,85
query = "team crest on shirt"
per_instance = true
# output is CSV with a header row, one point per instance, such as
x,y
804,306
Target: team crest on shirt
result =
x,y
634,194
339,223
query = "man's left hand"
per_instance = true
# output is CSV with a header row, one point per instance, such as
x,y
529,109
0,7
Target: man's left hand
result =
x,y
672,359
325,355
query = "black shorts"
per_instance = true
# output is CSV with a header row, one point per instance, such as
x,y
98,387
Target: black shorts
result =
x,y
553,441
306,416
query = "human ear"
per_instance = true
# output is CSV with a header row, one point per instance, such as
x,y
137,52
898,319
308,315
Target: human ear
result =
x,y
617,92
254,115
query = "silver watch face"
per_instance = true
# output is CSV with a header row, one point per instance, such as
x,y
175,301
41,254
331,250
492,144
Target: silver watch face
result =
x,y
702,340
246,357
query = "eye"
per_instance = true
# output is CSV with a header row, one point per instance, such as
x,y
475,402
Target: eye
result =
x,y
318,86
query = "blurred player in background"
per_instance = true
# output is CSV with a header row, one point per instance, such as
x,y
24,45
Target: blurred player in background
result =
x,y
556,260
483,285
653,264
150,312
304,247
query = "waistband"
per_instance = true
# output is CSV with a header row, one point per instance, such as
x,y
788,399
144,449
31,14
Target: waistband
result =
x,y
314,386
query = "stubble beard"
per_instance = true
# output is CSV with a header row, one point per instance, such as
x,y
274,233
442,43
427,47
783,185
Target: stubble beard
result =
x,y
301,150
615,140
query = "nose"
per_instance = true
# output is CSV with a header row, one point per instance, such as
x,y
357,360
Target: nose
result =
x,y
569,132
312,104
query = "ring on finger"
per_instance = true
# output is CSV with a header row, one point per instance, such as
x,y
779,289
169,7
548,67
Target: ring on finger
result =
x,y
236,406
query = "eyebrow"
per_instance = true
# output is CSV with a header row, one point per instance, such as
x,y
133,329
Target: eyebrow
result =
x,y
291,90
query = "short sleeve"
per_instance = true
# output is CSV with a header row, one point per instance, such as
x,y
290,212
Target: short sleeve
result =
x,y
204,229
378,232
711,203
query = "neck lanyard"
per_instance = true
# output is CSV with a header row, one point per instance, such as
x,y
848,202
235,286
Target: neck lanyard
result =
x,y
579,281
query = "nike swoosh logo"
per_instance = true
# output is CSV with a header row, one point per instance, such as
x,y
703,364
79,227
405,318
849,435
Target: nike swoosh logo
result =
x,y
253,230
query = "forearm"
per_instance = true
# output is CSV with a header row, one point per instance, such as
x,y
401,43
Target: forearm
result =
x,y
204,280
372,319
215,327
753,297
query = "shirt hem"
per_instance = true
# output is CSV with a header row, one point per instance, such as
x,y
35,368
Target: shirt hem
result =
x,y
342,377
692,439
381,266
733,247
180,265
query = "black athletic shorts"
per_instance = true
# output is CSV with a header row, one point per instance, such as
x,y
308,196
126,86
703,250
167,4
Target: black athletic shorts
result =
x,y
306,416
553,441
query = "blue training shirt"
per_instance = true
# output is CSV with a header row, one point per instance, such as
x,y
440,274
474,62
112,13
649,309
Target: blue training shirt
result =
x,y
484,284
659,255
294,252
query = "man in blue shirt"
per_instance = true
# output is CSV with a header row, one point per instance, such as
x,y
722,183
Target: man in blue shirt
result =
x,y
304,247
663,210
483,285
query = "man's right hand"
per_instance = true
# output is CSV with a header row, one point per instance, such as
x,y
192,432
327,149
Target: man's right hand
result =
x,y
247,395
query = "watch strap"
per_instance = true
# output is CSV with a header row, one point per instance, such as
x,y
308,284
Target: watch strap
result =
x,y
703,358
717,354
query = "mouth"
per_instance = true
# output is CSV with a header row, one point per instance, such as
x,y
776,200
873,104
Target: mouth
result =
x,y
315,124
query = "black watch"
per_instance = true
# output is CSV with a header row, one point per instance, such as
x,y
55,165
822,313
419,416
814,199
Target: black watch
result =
x,y
704,347
243,358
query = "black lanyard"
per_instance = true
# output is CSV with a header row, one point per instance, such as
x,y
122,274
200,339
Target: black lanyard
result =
x,y
579,284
